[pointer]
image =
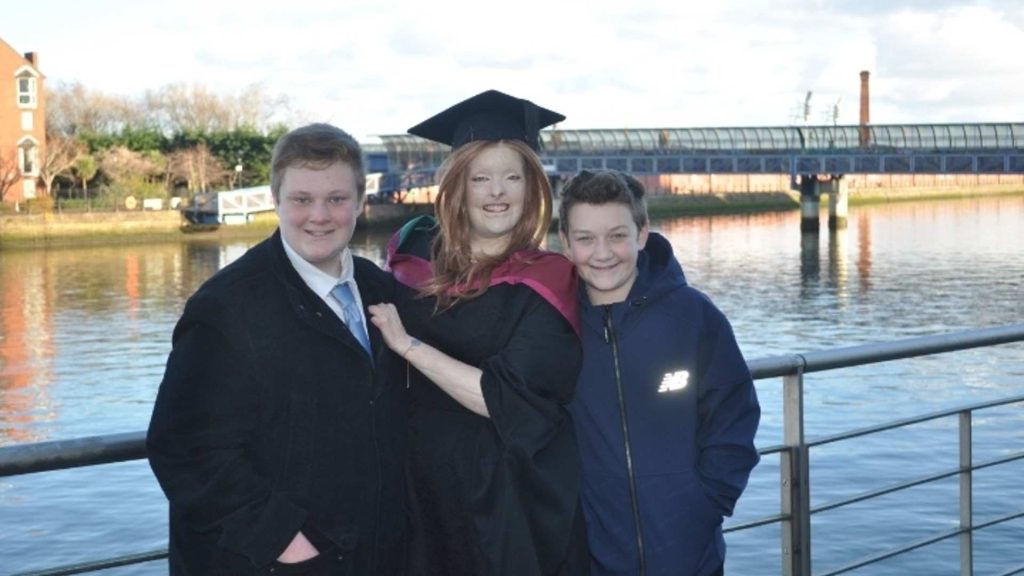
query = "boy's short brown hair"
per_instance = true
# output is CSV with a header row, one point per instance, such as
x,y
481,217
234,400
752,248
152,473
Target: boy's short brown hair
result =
x,y
317,146
602,187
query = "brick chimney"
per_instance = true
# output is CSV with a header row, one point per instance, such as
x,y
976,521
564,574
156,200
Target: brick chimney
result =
x,y
33,59
865,109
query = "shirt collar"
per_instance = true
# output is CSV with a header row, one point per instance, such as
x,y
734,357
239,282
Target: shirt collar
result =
x,y
319,281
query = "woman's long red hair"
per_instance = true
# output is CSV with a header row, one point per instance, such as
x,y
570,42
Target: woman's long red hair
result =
x,y
457,274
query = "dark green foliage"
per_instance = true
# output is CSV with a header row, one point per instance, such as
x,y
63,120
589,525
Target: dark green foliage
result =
x,y
244,145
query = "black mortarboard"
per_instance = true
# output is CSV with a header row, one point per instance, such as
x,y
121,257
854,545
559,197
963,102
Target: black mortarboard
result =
x,y
490,115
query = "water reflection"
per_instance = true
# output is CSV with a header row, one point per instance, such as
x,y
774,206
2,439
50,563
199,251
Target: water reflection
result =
x,y
85,316
98,319
75,319
26,348
810,262
864,252
837,264
837,281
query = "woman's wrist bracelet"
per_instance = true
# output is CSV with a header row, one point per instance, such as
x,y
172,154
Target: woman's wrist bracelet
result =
x,y
412,342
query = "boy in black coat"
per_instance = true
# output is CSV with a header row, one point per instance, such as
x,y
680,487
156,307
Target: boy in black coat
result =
x,y
277,434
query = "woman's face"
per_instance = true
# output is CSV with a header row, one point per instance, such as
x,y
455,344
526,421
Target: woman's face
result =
x,y
495,195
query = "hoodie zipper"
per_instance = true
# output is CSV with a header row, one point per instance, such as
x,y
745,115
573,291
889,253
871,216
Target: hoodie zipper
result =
x,y
610,338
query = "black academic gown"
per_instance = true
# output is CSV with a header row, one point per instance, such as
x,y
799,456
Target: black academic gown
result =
x,y
499,495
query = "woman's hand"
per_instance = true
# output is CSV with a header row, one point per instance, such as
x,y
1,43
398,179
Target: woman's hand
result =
x,y
385,317
459,380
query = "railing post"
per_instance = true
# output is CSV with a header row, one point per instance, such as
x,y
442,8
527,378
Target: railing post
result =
x,y
795,481
966,497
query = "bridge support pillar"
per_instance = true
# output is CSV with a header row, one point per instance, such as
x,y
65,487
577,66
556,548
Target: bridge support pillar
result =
x,y
557,183
810,203
838,203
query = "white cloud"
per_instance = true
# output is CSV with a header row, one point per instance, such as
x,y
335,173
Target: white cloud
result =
x,y
379,67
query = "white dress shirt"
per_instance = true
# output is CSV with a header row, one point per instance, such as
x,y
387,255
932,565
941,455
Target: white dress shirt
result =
x,y
321,283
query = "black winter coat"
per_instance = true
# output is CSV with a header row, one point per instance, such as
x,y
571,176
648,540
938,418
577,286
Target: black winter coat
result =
x,y
272,419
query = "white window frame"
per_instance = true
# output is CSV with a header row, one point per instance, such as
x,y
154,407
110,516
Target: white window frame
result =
x,y
28,150
30,97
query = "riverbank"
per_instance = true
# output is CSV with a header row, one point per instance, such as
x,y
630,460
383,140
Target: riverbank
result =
x,y
748,202
868,196
96,228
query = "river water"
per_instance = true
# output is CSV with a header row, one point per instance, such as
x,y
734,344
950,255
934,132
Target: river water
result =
x,y
85,332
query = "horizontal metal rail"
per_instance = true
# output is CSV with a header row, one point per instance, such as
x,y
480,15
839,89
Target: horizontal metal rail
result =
x,y
913,420
850,356
876,558
912,483
108,449
1013,571
96,566
75,453
928,540
756,523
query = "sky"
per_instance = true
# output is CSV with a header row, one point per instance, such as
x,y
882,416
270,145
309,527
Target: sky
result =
x,y
378,67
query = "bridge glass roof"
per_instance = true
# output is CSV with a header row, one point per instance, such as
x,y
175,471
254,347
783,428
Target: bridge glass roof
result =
x,y
787,138
414,153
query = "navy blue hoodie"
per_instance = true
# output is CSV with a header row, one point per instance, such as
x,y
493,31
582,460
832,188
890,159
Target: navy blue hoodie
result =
x,y
666,412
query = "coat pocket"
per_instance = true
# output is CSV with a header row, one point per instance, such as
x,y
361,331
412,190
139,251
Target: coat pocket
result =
x,y
331,561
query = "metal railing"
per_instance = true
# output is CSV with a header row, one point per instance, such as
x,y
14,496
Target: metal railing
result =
x,y
795,509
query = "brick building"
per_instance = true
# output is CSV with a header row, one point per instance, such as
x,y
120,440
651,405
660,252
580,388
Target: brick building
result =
x,y
22,124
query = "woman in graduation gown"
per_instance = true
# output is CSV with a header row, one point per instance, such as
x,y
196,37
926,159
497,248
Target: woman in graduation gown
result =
x,y
490,335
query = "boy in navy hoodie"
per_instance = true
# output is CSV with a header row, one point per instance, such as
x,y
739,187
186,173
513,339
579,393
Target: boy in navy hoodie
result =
x,y
665,408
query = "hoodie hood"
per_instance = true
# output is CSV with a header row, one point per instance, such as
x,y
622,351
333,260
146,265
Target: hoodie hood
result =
x,y
658,274
658,271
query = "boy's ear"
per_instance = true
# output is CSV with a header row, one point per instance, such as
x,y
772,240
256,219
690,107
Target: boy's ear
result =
x,y
642,237
564,241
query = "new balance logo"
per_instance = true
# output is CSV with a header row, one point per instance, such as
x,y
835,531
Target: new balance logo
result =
x,y
674,381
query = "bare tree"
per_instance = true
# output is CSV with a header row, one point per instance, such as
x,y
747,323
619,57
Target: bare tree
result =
x,y
197,167
256,108
10,173
183,108
62,153
132,173
180,108
72,109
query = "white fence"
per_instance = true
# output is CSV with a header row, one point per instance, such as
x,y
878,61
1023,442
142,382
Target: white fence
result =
x,y
238,206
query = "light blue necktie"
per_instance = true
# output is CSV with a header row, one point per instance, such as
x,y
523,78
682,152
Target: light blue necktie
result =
x,y
350,311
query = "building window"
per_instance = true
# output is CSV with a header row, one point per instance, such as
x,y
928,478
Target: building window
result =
x,y
27,121
28,158
26,92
